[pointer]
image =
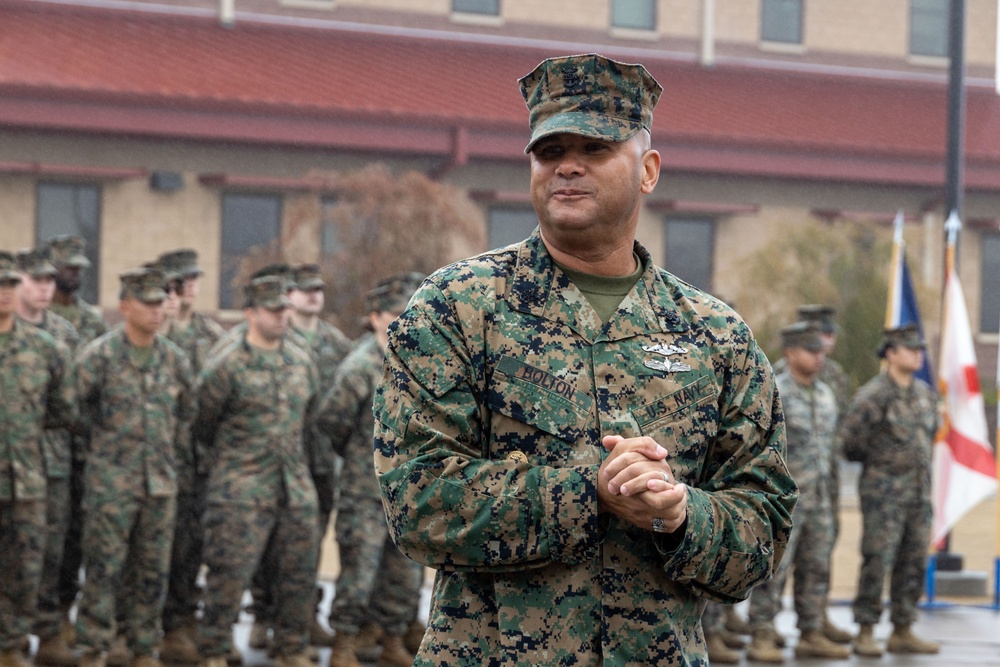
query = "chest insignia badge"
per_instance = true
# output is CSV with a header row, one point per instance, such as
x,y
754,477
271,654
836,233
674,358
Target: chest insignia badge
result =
x,y
517,456
665,350
666,366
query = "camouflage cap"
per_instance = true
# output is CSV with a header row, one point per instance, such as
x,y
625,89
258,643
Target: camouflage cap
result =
x,y
68,250
280,269
393,293
307,277
143,284
8,268
907,335
822,315
169,274
183,262
589,95
266,292
804,334
35,262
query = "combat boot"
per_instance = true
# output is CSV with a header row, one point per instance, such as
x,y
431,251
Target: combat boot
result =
x,y
414,636
297,660
902,640
118,654
732,640
718,652
835,634
179,647
234,658
13,658
865,644
54,651
318,635
259,638
736,623
342,651
814,644
367,642
764,647
214,661
145,660
93,659
394,653
67,628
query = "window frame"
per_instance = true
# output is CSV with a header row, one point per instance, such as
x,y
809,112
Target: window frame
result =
x,y
989,265
473,11
778,40
709,223
945,29
226,273
653,23
90,279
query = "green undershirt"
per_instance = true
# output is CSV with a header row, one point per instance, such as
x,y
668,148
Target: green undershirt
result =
x,y
605,293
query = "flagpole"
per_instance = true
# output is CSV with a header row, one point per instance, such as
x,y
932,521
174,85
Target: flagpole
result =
x,y
996,449
945,560
893,298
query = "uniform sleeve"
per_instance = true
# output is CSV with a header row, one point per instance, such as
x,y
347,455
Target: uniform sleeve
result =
x,y
88,377
740,516
60,404
856,426
338,413
212,394
449,506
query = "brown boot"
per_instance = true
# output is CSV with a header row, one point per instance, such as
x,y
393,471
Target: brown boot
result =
x,y
342,651
394,653
118,655
13,658
814,644
764,647
366,643
259,637
318,635
718,652
54,651
93,659
214,661
902,640
835,634
67,629
736,623
732,640
865,644
414,636
145,661
179,647
297,660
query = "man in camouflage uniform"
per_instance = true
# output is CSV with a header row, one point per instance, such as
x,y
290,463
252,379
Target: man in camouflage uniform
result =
x,y
377,585
134,389
583,446
36,395
810,428
328,346
254,398
34,297
890,429
195,333
66,253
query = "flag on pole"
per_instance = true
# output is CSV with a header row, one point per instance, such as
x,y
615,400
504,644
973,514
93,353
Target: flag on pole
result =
x,y
902,304
964,470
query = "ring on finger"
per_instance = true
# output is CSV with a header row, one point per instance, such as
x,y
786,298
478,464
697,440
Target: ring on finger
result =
x,y
658,525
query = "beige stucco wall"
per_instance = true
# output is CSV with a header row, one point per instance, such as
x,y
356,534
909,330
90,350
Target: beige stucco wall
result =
x,y
17,212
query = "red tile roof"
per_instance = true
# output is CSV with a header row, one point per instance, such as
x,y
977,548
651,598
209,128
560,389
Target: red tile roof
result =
x,y
126,72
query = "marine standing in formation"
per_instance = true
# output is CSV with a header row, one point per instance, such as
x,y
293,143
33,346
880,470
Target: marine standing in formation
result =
x,y
810,408
890,429
378,586
583,446
36,395
254,398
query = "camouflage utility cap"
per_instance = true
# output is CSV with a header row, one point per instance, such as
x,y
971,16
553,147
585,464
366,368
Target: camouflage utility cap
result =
x,y
307,277
279,269
589,95
822,315
907,335
35,262
67,250
8,268
183,262
804,334
267,292
393,293
144,284
169,275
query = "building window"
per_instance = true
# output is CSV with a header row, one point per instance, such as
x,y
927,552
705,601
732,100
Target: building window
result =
x,y
929,28
989,300
73,208
690,246
510,225
329,242
488,7
781,21
634,14
251,228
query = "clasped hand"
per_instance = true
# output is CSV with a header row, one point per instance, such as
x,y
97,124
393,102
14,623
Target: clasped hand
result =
x,y
631,484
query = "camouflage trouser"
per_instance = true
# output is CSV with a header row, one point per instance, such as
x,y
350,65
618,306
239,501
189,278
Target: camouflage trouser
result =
x,y
50,616
236,537
377,582
263,584
22,546
185,557
808,553
126,555
72,559
896,532
713,618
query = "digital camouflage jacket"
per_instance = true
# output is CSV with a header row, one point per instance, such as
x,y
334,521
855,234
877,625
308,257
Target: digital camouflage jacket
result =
x,y
500,382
